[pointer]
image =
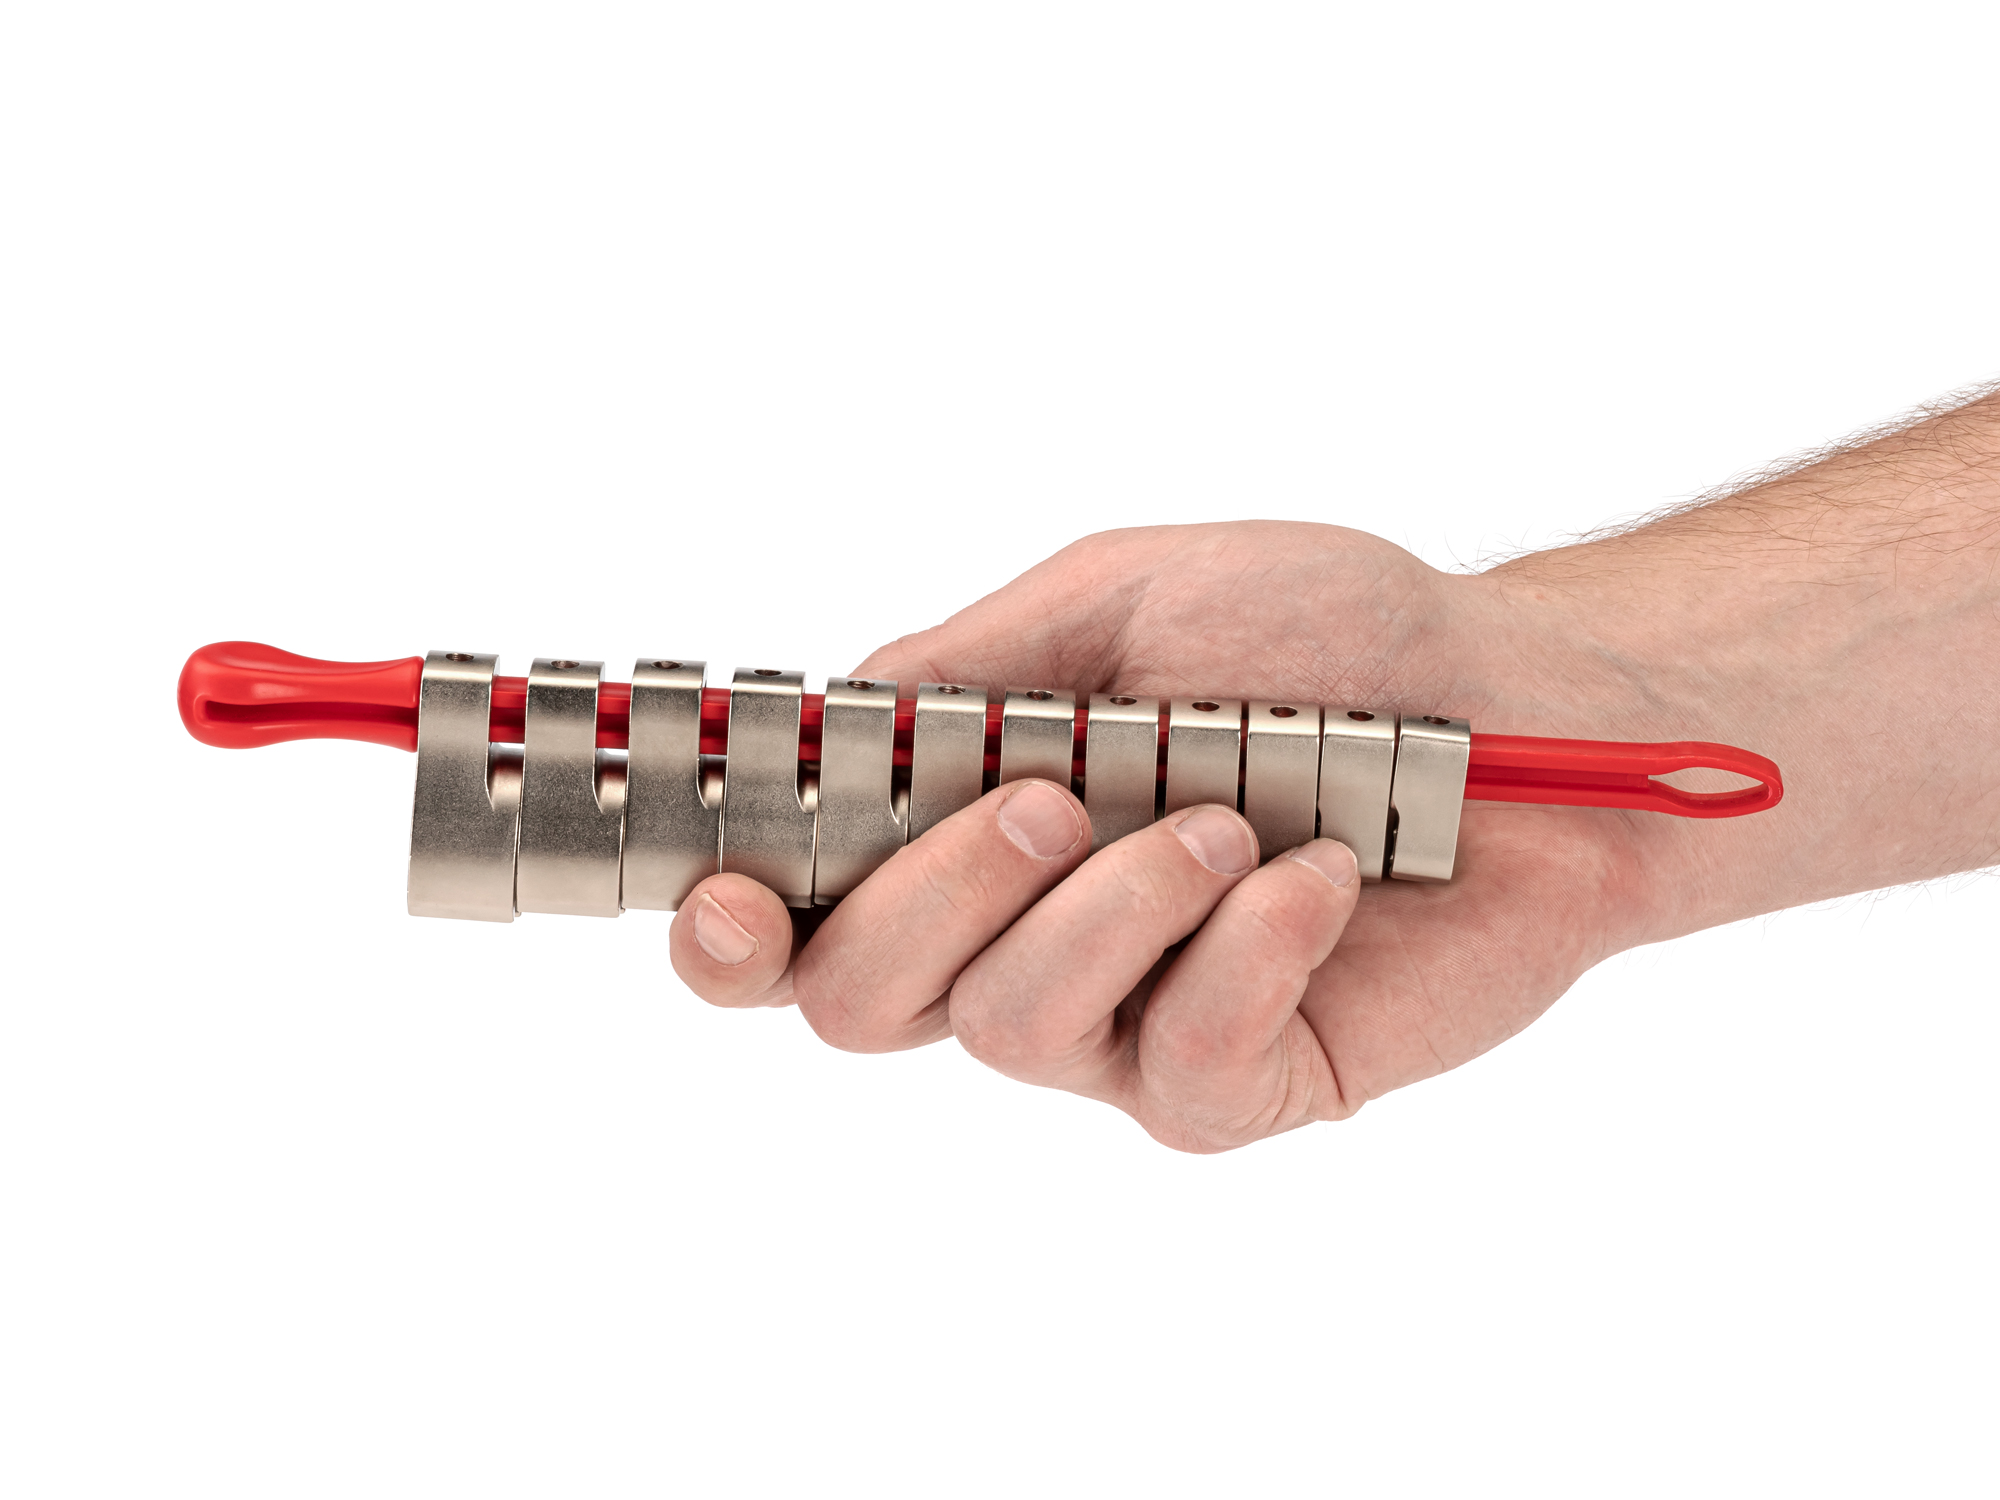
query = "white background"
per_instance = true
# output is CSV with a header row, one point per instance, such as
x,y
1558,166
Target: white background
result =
x,y
770,332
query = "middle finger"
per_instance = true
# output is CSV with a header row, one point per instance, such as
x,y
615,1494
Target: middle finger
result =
x,y
1039,1004
873,977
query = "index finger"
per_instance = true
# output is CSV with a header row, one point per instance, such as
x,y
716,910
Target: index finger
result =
x,y
875,976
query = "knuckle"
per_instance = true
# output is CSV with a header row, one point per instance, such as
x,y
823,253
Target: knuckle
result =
x,y
952,887
992,1034
1184,1048
955,875
973,1022
1149,889
1276,913
1205,1123
1283,909
841,1028
838,1012
1179,1133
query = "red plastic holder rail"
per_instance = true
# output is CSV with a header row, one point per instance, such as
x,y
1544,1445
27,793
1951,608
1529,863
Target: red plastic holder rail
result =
x,y
239,694
1610,773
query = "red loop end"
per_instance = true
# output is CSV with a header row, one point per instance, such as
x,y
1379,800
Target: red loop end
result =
x,y
1603,773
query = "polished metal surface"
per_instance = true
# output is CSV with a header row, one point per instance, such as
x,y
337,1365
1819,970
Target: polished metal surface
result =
x,y
1204,752
767,812
572,796
1431,759
1121,765
673,802
1038,734
466,817
1357,768
1281,774
860,823
562,826
947,752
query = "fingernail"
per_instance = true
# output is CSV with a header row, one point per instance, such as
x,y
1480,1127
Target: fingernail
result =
x,y
1040,821
719,936
1330,857
1220,840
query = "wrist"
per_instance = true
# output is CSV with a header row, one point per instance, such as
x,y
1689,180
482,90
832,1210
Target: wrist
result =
x,y
1570,661
1624,658
1839,621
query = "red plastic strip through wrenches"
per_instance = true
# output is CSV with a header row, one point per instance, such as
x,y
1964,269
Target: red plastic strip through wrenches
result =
x,y
239,694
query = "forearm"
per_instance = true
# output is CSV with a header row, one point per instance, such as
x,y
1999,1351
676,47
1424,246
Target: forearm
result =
x,y
1843,618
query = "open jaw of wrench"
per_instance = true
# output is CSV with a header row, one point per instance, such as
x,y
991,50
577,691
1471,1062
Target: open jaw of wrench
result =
x,y
561,792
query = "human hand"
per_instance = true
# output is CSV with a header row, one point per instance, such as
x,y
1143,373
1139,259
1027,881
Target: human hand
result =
x,y
1064,970
1840,617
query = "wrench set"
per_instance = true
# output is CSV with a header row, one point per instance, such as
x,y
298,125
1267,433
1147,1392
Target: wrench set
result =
x,y
564,793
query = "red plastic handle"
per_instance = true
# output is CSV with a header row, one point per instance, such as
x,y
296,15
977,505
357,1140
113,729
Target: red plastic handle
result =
x,y
238,694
